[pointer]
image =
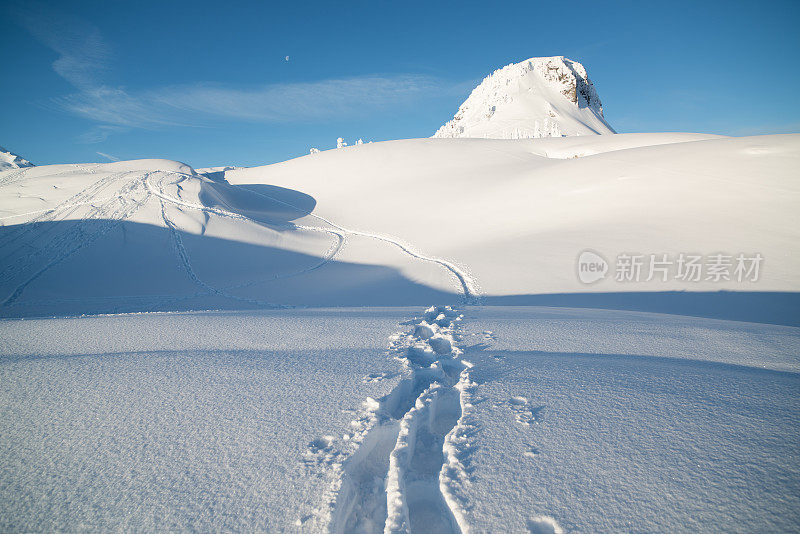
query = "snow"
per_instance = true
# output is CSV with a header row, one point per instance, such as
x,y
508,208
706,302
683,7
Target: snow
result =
x,y
396,337
647,193
612,433
9,160
538,97
291,234
178,422
579,420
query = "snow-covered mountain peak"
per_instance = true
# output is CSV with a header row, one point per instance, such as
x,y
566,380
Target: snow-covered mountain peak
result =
x,y
539,97
570,75
9,160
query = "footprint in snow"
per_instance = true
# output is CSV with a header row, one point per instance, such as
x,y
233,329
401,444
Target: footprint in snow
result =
x,y
488,335
377,377
424,331
525,413
321,444
320,451
300,521
543,524
532,451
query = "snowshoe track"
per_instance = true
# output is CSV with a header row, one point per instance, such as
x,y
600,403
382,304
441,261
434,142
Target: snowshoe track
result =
x,y
399,469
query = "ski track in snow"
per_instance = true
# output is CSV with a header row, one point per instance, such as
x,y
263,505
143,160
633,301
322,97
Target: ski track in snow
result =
x,y
400,468
110,210
184,255
465,281
329,255
18,175
86,196
14,176
63,245
109,213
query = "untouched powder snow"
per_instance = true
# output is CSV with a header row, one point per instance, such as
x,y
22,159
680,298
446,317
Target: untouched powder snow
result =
x,y
175,422
620,422
9,160
538,97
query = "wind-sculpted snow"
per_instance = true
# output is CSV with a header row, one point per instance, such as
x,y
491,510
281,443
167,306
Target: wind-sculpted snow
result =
x,y
403,223
516,215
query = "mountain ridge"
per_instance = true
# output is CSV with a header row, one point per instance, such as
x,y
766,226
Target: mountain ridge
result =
x,y
9,160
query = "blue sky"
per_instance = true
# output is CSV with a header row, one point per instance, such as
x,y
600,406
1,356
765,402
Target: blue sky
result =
x,y
208,83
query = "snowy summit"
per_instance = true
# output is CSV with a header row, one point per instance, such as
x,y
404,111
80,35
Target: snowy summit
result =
x,y
538,97
9,160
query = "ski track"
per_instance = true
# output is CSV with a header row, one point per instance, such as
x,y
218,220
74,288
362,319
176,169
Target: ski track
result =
x,y
13,176
50,210
223,291
465,281
183,255
86,196
18,175
62,244
399,469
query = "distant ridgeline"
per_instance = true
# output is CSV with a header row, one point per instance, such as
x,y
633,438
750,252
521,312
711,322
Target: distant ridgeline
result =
x,y
9,160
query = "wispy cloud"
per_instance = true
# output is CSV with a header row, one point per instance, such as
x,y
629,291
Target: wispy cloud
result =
x,y
82,53
200,104
109,157
83,58
100,133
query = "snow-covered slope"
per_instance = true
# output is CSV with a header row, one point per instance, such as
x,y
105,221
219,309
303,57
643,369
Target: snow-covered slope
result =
x,y
538,97
484,418
406,222
517,221
9,160
290,420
